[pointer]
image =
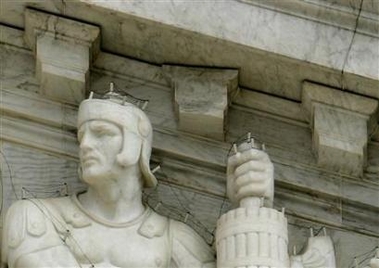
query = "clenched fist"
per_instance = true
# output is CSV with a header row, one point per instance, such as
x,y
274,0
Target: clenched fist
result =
x,y
250,174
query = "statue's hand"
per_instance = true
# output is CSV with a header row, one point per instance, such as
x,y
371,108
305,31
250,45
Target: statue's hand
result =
x,y
250,174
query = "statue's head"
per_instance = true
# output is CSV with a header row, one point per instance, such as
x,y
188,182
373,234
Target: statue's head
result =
x,y
131,122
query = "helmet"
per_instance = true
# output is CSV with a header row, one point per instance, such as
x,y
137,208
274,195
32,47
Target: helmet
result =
x,y
130,119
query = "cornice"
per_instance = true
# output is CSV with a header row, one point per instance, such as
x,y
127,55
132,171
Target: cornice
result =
x,y
342,14
273,51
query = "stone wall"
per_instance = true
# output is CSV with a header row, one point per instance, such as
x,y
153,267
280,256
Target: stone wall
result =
x,y
300,81
39,154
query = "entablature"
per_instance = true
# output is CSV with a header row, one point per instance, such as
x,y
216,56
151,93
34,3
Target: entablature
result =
x,y
273,58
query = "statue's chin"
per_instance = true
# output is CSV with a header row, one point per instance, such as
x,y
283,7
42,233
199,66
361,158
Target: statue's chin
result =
x,y
92,177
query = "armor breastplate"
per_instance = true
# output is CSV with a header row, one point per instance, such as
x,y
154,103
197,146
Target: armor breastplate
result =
x,y
143,242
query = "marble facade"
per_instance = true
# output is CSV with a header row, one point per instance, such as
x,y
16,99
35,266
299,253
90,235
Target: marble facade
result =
x,y
274,50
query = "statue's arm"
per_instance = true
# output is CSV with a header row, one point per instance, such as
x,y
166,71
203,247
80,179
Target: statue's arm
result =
x,y
31,240
250,179
189,250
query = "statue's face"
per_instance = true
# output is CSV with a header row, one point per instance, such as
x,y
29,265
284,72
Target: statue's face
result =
x,y
100,143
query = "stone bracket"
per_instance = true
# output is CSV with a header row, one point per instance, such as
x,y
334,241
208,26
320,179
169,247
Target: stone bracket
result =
x,y
202,97
64,50
341,123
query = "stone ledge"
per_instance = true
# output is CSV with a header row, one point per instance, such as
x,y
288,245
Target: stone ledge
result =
x,y
31,106
64,50
337,13
275,63
38,24
314,93
202,97
341,124
141,73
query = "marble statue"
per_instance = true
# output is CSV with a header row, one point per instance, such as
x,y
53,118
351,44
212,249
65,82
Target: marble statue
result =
x,y
109,226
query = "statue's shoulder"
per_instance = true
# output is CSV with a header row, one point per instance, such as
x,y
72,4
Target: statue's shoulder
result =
x,y
29,225
67,209
31,217
35,217
154,225
25,217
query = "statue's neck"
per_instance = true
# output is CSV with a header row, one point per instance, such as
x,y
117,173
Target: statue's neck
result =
x,y
117,200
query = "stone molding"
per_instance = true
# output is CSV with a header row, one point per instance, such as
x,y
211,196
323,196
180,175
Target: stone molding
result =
x,y
337,13
64,51
314,51
341,123
129,69
38,23
202,97
19,104
41,137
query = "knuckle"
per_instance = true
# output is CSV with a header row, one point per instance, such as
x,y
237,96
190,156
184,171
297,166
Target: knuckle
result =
x,y
238,170
250,174
238,182
252,164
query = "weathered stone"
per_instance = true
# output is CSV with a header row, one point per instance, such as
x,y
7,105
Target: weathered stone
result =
x,y
64,51
202,96
341,123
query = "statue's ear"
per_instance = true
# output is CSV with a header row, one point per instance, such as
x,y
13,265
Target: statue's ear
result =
x,y
131,149
144,127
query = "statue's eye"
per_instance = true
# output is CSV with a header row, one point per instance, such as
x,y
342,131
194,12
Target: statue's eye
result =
x,y
102,130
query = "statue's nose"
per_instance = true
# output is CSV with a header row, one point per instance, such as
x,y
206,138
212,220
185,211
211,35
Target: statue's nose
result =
x,y
85,142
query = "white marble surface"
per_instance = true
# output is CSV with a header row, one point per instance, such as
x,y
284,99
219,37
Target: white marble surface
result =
x,y
364,56
365,107
273,57
252,237
65,77
115,141
287,150
346,205
94,227
341,124
340,140
64,51
339,13
296,38
202,97
18,68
